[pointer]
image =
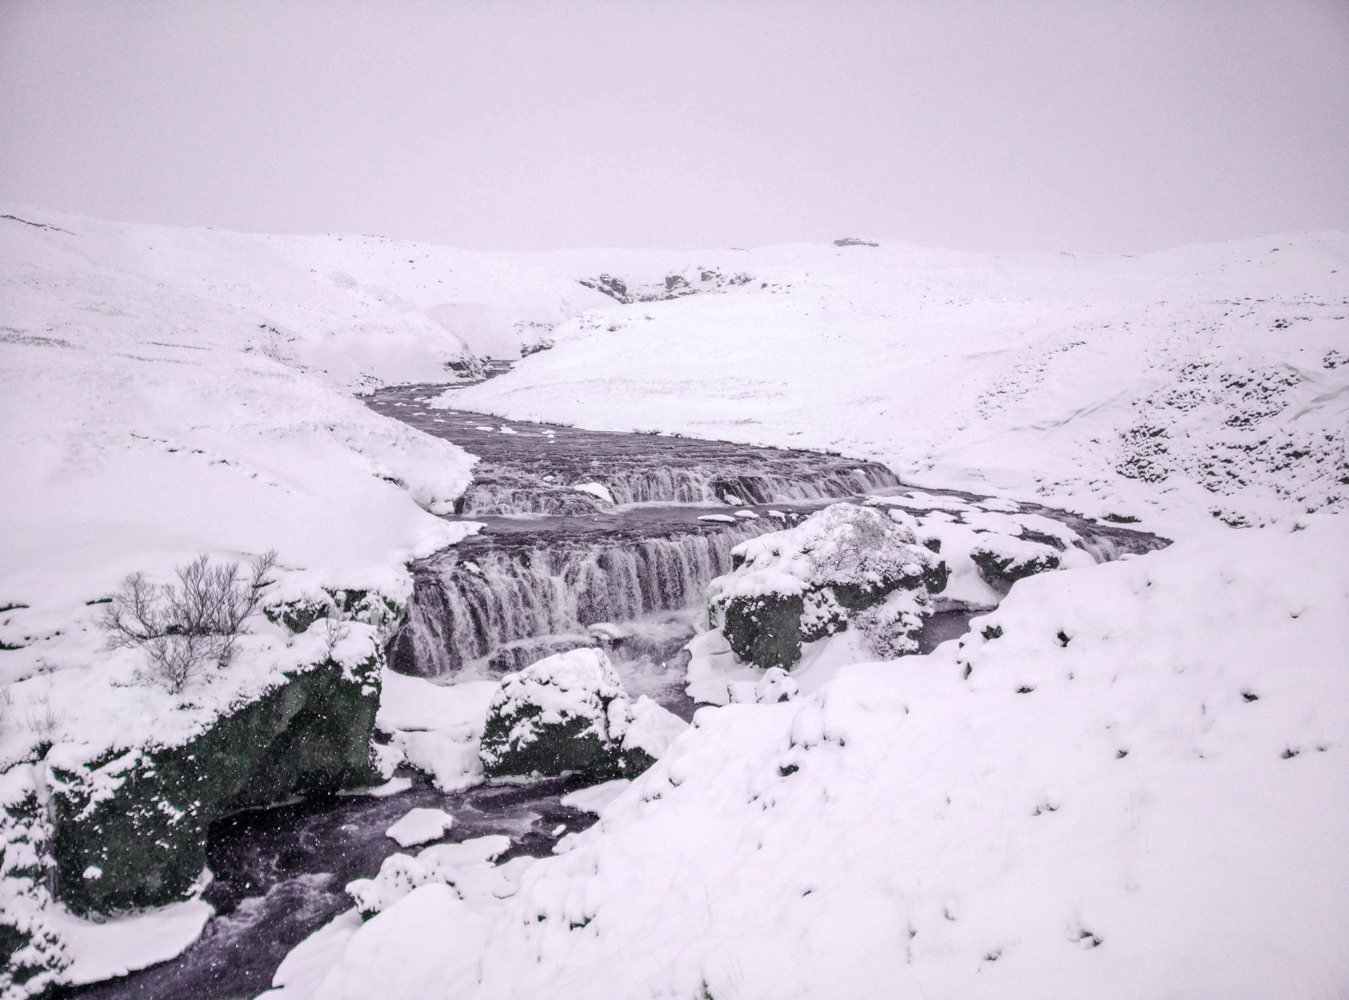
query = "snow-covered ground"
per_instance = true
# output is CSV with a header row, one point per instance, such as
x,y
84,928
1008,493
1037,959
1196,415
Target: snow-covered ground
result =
x,y
1207,378
1138,787
1137,790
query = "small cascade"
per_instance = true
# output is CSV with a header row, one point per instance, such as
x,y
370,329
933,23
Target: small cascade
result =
x,y
490,592
584,527
709,485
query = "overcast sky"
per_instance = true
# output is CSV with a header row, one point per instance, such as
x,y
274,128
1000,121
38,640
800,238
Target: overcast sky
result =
x,y
1089,126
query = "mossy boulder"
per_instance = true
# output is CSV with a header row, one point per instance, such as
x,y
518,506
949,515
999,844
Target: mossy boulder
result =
x,y
808,582
1003,560
130,828
764,629
569,713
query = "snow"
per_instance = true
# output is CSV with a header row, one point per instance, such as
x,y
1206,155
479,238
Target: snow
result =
x,y
1132,789
649,727
1127,780
1163,386
912,829
124,944
391,787
419,826
408,703
145,425
597,490
304,967
596,797
436,729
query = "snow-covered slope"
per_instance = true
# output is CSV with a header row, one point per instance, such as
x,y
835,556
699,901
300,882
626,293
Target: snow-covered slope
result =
x,y
1210,378
1137,787
1128,781
166,392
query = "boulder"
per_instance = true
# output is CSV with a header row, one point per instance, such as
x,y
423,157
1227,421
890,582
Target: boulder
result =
x,y
1002,560
130,828
835,569
569,713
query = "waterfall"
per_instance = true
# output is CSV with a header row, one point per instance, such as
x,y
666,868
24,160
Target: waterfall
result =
x,y
470,600
496,491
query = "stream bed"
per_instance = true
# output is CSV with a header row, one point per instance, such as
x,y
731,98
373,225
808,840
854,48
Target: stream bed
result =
x,y
579,528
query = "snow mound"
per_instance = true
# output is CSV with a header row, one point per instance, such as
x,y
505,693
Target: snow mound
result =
x,y
419,826
569,712
1133,786
468,862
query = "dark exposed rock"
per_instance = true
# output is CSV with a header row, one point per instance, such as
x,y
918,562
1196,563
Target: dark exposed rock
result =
x,y
137,821
569,713
1001,563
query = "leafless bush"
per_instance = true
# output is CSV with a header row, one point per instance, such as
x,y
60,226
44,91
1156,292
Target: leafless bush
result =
x,y
184,627
336,630
43,720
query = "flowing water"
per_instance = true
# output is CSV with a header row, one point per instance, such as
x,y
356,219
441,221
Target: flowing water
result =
x,y
588,539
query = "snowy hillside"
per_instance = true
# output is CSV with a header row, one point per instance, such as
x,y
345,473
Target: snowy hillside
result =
x,y
1136,788
1209,378
1127,781
167,392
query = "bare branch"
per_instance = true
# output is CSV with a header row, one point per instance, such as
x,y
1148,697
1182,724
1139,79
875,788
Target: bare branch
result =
x,y
182,628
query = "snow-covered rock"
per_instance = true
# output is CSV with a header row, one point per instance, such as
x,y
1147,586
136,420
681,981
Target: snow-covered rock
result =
x,y
1002,561
807,582
420,825
569,712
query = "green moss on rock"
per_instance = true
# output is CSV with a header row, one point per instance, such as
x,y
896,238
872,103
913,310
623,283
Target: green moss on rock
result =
x,y
137,823
1002,569
765,630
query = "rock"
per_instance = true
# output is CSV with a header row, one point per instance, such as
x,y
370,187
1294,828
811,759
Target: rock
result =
x,y
836,568
141,816
420,825
569,713
1002,560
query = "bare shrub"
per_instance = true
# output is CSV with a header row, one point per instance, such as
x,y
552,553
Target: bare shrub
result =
x,y
184,627
43,720
336,630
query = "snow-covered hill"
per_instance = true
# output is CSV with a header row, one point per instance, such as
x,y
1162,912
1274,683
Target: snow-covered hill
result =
x,y
1210,379
1129,781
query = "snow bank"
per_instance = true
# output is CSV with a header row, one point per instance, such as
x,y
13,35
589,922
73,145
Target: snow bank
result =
x,y
116,947
1136,789
168,392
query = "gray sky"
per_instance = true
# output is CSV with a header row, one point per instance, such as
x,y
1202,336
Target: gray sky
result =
x,y
1081,125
